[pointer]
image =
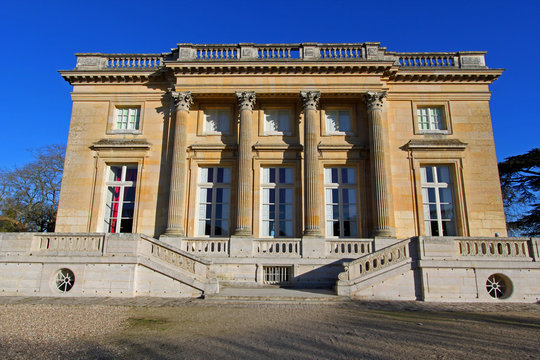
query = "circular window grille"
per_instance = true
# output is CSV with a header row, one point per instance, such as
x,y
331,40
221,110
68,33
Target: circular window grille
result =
x,y
64,280
498,286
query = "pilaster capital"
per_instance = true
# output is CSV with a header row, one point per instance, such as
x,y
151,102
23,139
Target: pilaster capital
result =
x,y
182,100
246,99
310,99
374,99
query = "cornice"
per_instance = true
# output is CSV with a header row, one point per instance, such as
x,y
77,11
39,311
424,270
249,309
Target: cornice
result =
x,y
436,144
264,68
104,144
444,75
134,76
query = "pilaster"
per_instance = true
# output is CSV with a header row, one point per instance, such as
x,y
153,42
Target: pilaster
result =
x,y
379,164
310,100
246,101
177,195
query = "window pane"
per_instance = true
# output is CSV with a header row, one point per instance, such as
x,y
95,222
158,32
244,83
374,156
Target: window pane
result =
x,y
129,194
223,121
327,175
131,173
115,173
449,228
270,121
344,121
331,121
443,175
284,121
445,195
334,175
434,228
126,225
210,121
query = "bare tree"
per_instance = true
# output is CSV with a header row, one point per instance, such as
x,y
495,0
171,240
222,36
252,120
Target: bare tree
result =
x,y
29,194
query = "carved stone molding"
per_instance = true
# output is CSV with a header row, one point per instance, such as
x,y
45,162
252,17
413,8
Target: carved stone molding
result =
x,y
182,100
246,99
310,99
374,99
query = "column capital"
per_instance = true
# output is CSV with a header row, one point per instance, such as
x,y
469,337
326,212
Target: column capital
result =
x,y
374,99
182,100
246,99
310,99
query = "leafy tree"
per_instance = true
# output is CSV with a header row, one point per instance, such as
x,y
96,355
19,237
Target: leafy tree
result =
x,y
29,194
520,183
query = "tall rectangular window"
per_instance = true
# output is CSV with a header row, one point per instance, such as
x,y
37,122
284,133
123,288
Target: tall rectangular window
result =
x,y
338,121
127,118
438,202
214,200
430,118
120,198
217,121
277,121
341,202
277,194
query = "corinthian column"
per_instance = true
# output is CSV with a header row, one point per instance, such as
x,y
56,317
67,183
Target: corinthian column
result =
x,y
177,195
244,202
379,163
310,99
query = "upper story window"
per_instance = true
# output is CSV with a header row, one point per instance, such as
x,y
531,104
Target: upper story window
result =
x,y
277,122
437,199
277,197
341,202
120,198
214,200
338,121
430,118
217,121
127,118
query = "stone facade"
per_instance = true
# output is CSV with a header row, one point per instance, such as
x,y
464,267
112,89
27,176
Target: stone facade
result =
x,y
278,163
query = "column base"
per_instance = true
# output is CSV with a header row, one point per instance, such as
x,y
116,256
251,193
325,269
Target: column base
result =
x,y
174,231
243,232
384,232
312,232
241,246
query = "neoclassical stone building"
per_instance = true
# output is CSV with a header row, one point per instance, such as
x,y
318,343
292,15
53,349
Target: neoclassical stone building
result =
x,y
271,164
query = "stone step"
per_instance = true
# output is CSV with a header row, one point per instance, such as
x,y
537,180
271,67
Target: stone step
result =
x,y
274,295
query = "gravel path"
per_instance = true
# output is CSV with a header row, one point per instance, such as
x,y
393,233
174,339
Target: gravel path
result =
x,y
153,329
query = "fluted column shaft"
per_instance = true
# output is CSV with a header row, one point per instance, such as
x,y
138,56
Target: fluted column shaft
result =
x,y
177,194
244,211
379,163
312,220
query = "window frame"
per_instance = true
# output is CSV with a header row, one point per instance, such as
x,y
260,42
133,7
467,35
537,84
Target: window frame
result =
x,y
277,186
212,185
436,184
201,129
122,184
262,120
338,107
113,115
445,114
340,186
453,159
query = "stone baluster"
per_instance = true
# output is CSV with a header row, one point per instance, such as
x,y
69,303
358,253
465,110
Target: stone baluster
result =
x,y
177,195
244,202
310,99
379,164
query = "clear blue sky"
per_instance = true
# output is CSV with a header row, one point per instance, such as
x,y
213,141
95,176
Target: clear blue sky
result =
x,y
41,37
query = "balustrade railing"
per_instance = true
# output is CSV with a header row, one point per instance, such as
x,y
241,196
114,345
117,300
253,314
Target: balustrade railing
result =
x,y
133,61
343,51
282,52
153,249
494,247
354,248
70,243
428,60
378,260
206,246
278,52
217,52
275,247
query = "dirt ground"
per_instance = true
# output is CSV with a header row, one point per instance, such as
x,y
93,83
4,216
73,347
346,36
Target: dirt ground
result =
x,y
199,330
